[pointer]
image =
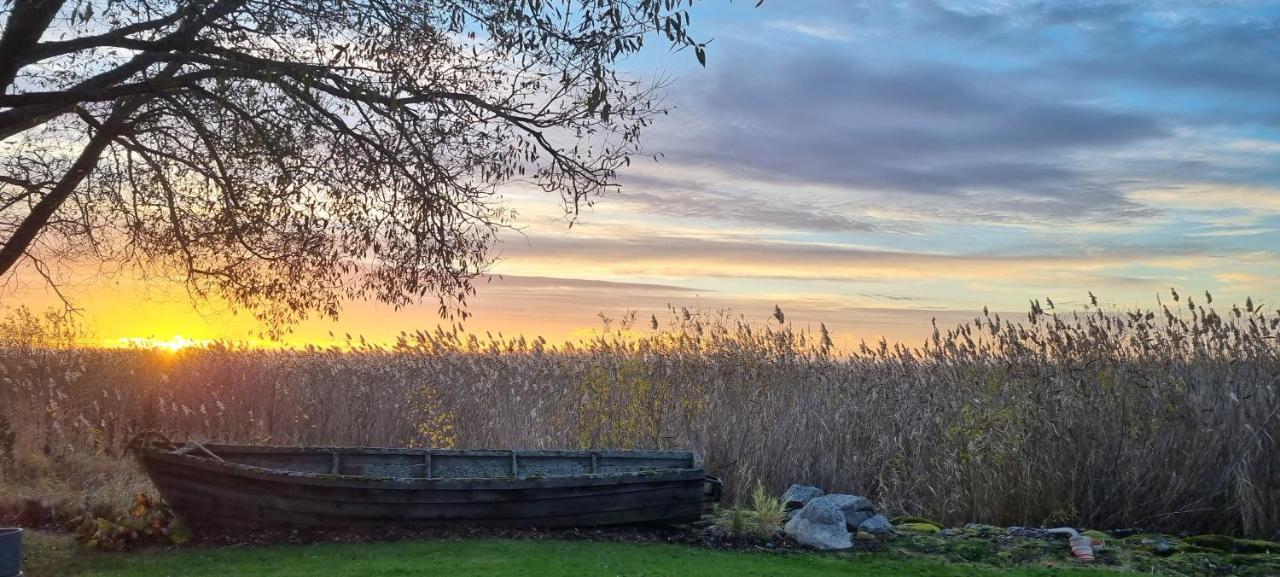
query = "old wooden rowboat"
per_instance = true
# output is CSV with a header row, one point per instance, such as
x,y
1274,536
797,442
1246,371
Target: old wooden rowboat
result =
x,y
254,486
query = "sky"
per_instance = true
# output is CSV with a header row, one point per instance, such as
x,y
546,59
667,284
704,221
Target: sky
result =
x,y
874,165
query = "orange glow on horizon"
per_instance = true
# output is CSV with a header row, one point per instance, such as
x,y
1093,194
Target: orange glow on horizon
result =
x,y
172,344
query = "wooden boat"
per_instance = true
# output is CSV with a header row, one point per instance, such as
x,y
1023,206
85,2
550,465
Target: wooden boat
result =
x,y
253,486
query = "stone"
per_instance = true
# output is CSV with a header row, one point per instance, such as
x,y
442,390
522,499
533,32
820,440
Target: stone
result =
x,y
920,527
819,524
856,509
1122,533
1030,533
855,519
1217,542
864,536
1228,544
796,496
903,519
876,525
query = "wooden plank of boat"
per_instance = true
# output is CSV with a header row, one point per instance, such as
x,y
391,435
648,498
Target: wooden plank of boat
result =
x,y
245,486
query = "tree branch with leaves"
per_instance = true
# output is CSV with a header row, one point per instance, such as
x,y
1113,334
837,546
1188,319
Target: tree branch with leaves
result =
x,y
287,156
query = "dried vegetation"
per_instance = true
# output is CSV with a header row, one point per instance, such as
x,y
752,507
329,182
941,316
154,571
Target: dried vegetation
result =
x,y
1165,419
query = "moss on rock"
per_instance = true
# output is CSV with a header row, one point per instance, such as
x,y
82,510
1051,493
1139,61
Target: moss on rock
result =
x,y
1214,542
919,527
1257,546
907,519
1228,544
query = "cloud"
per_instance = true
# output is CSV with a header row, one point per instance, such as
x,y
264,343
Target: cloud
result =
x,y
818,31
885,297
819,262
1035,114
1215,51
1255,145
562,283
954,134
1166,44
1211,196
736,201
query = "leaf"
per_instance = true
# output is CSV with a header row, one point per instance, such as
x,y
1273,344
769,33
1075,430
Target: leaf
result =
x,y
179,533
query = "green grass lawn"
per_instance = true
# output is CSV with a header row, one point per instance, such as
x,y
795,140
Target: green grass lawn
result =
x,y
51,556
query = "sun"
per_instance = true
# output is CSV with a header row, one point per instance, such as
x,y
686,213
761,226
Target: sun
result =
x,y
173,344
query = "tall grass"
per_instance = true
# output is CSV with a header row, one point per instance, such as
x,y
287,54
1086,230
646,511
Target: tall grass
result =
x,y
1163,419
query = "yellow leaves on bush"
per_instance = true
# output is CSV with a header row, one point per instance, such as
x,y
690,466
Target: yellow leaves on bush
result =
x,y
149,522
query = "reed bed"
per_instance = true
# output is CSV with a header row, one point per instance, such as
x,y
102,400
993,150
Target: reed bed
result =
x,y
1165,419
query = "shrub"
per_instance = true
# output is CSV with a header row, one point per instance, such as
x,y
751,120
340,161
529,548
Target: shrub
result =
x,y
149,522
768,512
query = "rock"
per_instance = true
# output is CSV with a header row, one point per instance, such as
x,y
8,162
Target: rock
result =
x,y
983,530
1030,533
819,524
1257,546
1217,542
1232,545
796,496
876,525
1162,548
902,519
855,519
856,509
920,527
864,536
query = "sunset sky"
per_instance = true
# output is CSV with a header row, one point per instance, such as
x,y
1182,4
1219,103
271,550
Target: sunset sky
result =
x,y
875,164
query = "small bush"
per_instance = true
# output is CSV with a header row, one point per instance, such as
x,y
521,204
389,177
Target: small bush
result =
x,y
768,511
149,522
762,520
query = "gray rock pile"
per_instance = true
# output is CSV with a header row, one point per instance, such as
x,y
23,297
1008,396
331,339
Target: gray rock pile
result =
x,y
797,495
826,521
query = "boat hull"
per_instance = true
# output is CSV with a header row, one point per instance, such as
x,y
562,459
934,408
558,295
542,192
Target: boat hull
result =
x,y
214,493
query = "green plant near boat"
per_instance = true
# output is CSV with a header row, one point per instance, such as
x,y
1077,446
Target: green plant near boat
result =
x,y
762,520
769,512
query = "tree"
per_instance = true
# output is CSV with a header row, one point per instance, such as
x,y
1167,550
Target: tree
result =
x,y
287,155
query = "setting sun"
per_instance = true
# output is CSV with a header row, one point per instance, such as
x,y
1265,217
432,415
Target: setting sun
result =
x,y
174,343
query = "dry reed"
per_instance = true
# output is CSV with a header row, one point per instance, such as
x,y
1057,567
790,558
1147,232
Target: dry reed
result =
x,y
1163,419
